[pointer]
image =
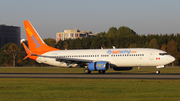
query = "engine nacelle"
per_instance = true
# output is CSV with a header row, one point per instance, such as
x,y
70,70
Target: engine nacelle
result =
x,y
97,66
122,68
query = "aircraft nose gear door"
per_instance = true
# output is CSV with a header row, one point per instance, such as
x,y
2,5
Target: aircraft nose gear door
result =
x,y
151,55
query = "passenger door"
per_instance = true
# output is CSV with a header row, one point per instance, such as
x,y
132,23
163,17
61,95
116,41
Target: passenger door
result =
x,y
151,57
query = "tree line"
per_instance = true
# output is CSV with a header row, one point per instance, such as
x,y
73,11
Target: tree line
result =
x,y
123,37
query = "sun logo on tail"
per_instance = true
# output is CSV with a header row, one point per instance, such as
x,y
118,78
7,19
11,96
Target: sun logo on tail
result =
x,y
32,37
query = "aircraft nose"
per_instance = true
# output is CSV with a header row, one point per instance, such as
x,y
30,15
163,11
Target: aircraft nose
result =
x,y
171,59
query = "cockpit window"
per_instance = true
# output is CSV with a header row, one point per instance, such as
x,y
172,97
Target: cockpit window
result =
x,y
163,53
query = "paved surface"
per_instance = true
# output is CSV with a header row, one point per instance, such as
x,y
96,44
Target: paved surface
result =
x,y
90,76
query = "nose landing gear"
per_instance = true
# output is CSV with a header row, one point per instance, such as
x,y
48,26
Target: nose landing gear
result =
x,y
157,72
158,67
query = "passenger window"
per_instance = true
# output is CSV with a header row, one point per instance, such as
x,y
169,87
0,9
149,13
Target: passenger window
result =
x,y
163,53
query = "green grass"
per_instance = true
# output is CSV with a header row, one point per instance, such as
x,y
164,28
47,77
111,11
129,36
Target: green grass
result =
x,y
174,70
34,89
49,89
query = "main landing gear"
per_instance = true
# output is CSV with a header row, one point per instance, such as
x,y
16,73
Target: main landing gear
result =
x,y
101,71
87,71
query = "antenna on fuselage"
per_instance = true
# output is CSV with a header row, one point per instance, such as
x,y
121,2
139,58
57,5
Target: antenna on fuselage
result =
x,y
114,47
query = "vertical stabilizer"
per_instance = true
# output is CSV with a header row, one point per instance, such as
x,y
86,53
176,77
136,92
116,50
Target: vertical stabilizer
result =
x,y
36,44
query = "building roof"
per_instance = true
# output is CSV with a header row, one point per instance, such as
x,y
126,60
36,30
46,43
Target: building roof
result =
x,y
74,31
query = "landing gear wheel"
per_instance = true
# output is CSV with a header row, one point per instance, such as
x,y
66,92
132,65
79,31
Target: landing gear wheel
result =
x,y
157,72
87,71
101,71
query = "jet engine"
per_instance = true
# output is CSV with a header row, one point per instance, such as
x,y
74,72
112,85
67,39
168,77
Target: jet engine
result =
x,y
98,66
122,68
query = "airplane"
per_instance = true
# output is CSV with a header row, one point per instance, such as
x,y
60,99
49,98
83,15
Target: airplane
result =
x,y
93,59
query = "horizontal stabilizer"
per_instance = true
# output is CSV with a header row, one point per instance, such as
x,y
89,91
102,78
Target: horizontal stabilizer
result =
x,y
28,51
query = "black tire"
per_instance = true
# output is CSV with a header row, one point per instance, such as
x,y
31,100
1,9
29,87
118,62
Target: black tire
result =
x,y
157,72
87,71
101,71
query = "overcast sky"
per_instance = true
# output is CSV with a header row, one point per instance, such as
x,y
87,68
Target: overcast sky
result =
x,y
52,16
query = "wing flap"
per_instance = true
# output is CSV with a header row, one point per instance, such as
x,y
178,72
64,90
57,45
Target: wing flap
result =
x,y
73,60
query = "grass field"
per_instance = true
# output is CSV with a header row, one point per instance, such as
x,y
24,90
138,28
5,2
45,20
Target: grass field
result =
x,y
34,89
49,89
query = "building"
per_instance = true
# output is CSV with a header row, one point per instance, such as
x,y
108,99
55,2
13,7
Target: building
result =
x,y
73,34
9,34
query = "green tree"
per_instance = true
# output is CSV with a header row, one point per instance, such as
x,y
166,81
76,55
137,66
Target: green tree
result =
x,y
50,42
85,42
125,31
9,58
66,44
164,47
172,50
178,41
145,45
112,32
77,43
14,48
153,44
96,43
133,45
4,58
110,42
60,44
101,34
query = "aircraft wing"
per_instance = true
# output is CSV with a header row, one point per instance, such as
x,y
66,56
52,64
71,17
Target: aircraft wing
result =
x,y
73,60
68,60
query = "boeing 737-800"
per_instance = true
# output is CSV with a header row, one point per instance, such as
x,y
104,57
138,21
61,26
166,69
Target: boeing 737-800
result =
x,y
93,59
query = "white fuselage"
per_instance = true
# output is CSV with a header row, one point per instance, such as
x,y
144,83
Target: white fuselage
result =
x,y
122,57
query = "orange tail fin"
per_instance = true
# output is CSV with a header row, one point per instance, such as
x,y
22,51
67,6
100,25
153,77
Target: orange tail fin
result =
x,y
36,44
